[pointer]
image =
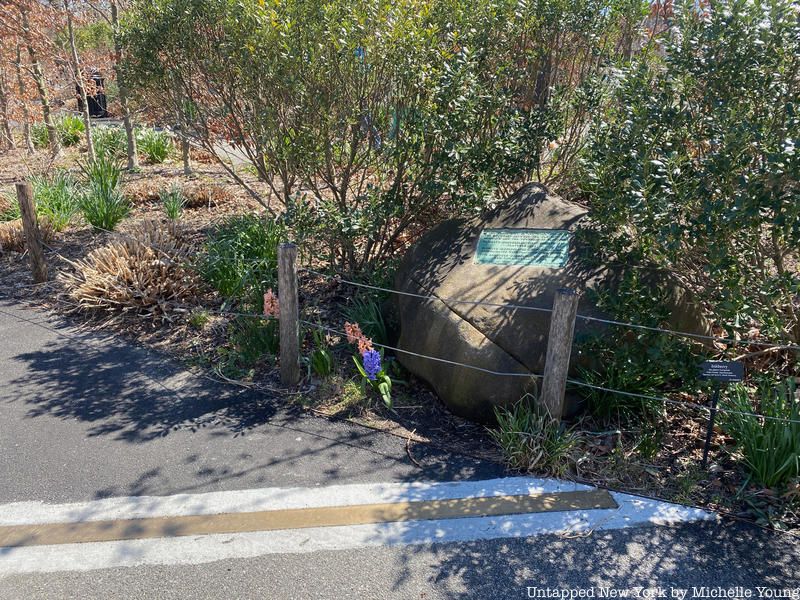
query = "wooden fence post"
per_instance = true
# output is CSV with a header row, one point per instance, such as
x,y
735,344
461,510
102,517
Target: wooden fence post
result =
x,y
559,348
33,237
289,314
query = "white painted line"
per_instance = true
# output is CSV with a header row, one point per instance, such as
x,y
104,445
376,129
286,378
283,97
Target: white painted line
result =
x,y
633,512
238,501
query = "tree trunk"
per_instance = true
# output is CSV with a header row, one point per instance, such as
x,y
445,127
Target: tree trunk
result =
x,y
182,125
5,123
133,158
26,117
187,159
41,86
80,83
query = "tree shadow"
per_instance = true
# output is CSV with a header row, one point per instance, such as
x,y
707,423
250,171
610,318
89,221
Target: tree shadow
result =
x,y
121,390
121,393
700,554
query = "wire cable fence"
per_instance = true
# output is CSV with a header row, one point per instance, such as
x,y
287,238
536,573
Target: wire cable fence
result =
x,y
781,345
571,381
771,344
427,357
503,306
575,382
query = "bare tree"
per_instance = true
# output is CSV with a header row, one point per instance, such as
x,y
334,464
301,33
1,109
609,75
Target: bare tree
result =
x,y
26,117
80,82
6,138
183,124
35,68
109,12
133,158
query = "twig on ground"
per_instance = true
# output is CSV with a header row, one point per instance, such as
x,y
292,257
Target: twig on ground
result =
x,y
408,450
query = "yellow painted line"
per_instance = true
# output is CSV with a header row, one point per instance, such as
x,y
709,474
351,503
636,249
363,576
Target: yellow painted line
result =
x,y
298,518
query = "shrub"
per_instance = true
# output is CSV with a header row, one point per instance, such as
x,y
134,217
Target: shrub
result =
x,y
240,259
389,113
770,447
531,440
173,201
143,272
688,171
57,198
103,204
156,146
646,364
110,142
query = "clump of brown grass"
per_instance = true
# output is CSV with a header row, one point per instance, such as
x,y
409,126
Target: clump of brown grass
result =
x,y
144,271
201,195
12,235
141,192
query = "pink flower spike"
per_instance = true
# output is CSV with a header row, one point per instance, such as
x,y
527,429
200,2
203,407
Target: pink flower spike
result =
x,y
271,306
356,336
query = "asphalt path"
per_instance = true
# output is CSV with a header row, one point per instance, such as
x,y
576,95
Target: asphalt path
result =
x,y
85,416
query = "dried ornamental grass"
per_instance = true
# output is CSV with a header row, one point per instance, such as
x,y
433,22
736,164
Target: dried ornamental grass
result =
x,y
206,195
141,192
12,235
143,272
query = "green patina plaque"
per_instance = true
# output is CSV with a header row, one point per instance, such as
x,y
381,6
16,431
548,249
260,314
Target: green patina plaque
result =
x,y
548,248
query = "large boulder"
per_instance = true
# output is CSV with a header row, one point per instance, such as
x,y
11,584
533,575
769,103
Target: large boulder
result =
x,y
458,267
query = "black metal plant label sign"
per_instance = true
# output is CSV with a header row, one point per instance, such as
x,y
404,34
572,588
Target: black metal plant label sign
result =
x,y
718,371
728,371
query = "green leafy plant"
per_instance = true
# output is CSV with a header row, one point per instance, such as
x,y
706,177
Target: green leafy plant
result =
x,y
241,257
173,201
648,364
321,359
103,204
70,129
397,113
57,198
9,207
103,172
770,447
531,440
110,142
199,318
366,311
39,135
156,146
252,339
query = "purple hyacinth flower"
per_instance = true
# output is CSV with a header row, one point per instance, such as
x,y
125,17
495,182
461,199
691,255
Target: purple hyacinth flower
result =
x,y
372,364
